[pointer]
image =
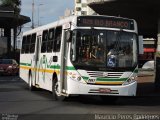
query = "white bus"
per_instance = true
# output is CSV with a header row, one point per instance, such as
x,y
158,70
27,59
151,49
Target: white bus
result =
x,y
82,55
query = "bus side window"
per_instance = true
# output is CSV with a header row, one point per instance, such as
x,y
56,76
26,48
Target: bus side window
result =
x,y
50,40
32,45
27,44
44,41
57,41
23,44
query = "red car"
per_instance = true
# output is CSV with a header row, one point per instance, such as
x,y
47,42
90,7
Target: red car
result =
x,y
8,67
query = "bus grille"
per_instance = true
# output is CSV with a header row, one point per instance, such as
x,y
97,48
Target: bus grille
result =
x,y
95,74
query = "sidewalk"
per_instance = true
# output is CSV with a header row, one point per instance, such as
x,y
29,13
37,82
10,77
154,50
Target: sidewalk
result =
x,y
146,84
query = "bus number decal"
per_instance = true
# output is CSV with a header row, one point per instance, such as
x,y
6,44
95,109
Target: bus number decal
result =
x,y
91,81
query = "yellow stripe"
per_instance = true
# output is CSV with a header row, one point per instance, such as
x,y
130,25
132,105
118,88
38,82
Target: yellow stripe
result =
x,y
58,72
25,67
40,70
110,83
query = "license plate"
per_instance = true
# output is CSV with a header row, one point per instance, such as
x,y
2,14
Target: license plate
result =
x,y
105,90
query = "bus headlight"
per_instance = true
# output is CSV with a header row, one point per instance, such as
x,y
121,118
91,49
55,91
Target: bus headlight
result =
x,y
75,77
79,78
130,80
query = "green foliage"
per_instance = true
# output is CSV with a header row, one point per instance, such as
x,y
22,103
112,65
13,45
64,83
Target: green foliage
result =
x,y
12,3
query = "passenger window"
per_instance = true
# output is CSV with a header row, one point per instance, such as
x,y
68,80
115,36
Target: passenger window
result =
x,y
51,34
33,40
44,41
27,44
23,45
50,40
57,41
32,45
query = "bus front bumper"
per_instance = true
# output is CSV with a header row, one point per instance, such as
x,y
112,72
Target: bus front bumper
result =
x,y
110,90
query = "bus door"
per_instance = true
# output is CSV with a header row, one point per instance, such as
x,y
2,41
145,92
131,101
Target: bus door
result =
x,y
36,59
64,58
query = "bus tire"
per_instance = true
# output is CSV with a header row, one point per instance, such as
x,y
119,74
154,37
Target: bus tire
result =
x,y
109,99
30,84
56,96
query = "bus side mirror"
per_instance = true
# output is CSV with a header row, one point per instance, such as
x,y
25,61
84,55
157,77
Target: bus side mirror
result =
x,y
140,42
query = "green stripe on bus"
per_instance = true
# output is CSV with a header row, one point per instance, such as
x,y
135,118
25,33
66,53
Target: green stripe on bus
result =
x,y
52,66
107,79
55,67
111,79
25,64
85,78
70,68
58,67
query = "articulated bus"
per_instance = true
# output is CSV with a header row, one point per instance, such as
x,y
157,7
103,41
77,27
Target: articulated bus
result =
x,y
82,55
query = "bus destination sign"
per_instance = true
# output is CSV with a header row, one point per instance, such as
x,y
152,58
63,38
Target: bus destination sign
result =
x,y
109,22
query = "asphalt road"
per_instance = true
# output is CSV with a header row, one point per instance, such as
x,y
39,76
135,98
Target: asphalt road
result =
x,y
18,103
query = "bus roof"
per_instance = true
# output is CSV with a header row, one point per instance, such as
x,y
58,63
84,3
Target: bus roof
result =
x,y
66,20
53,24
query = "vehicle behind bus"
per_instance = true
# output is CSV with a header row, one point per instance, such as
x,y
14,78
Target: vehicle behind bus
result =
x,y
157,64
149,51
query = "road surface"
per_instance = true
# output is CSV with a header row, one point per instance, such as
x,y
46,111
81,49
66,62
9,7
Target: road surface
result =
x,y
18,103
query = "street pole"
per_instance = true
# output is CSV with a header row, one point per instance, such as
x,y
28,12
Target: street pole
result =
x,y
38,14
33,14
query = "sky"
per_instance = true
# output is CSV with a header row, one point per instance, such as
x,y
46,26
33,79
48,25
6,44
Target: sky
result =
x,y
49,10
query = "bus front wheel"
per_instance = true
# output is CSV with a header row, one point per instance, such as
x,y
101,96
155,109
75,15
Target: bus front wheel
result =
x,y
55,92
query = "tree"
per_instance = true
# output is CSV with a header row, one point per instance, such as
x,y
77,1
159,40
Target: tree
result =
x,y
15,4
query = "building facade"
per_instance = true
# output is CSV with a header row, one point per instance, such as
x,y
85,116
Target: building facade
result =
x,y
82,8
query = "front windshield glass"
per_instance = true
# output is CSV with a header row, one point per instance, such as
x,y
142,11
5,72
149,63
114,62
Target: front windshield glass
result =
x,y
103,49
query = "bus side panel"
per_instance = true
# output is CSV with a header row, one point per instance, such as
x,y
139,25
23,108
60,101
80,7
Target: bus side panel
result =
x,y
45,71
25,66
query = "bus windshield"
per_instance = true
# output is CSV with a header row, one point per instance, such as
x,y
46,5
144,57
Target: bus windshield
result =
x,y
103,49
